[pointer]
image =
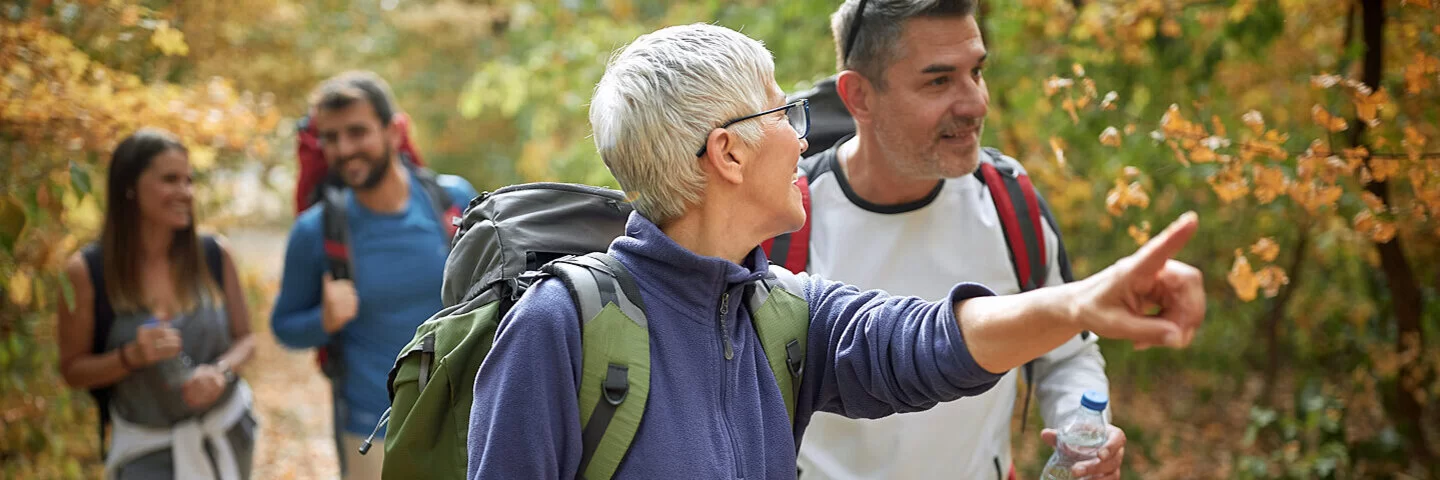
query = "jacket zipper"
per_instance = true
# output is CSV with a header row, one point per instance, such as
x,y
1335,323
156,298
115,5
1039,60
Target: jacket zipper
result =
x,y
725,383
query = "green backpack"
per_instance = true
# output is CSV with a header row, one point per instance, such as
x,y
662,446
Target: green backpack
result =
x,y
507,241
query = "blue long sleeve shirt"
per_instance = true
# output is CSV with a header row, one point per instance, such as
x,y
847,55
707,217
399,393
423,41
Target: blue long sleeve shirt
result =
x,y
397,262
870,355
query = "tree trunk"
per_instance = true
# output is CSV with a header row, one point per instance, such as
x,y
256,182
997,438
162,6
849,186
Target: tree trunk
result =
x,y
1399,277
1277,313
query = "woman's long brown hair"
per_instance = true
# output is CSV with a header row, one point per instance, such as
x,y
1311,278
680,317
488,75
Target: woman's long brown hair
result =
x,y
120,237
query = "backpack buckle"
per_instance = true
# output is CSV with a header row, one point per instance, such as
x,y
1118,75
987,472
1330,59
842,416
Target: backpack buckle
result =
x,y
617,384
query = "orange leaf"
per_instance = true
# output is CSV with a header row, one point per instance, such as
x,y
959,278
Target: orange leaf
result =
x,y
1229,184
1367,106
1108,103
1242,278
1373,201
1219,127
1141,234
1414,143
1254,120
1384,168
1330,122
1271,279
1079,70
1266,248
1058,146
1378,230
1110,137
1270,182
1130,172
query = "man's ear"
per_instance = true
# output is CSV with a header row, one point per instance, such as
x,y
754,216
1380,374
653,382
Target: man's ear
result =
x,y
724,156
857,92
394,134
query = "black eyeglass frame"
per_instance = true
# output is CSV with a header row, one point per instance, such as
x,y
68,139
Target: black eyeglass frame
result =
x,y
803,103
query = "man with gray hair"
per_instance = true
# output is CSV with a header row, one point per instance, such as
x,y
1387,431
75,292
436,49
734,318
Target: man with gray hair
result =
x,y
887,199
690,120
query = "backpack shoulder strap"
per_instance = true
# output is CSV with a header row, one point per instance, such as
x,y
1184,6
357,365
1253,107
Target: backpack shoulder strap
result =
x,y
781,317
214,260
792,250
335,231
615,370
104,319
1019,209
446,211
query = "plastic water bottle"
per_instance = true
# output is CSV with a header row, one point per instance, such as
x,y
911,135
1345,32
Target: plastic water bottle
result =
x,y
1081,437
176,370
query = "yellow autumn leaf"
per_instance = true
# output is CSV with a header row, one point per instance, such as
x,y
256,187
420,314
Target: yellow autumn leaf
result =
x,y
19,288
1254,120
1266,249
170,41
1069,106
1200,154
1242,278
1110,137
1384,168
1270,182
1130,172
1125,195
1229,183
1058,146
130,15
1414,143
1367,107
1271,279
1141,234
1170,27
1108,103
1078,69
1325,120
1373,202
1379,230
202,157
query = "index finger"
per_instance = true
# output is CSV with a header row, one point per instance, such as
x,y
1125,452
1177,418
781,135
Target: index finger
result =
x,y
1151,257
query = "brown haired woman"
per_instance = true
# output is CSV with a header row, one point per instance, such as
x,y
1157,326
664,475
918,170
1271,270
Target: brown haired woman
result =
x,y
159,326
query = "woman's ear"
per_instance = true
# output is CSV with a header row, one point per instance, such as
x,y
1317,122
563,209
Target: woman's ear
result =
x,y
856,91
724,156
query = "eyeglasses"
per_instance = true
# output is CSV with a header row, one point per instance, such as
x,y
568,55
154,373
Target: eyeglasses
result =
x,y
797,113
854,31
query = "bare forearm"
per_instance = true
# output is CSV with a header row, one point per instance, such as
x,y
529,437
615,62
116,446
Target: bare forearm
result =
x,y
238,354
94,371
1005,332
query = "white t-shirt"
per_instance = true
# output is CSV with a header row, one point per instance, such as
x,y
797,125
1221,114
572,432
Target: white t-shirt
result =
x,y
922,249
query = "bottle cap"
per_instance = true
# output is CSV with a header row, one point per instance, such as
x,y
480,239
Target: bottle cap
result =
x,y
1094,400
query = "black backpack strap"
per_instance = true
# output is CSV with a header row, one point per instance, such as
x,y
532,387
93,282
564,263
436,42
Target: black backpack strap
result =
x,y
104,319
214,260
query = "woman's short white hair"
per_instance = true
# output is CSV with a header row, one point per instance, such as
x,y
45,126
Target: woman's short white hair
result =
x,y
660,98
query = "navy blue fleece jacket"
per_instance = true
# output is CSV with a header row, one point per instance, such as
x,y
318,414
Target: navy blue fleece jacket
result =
x,y
869,355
